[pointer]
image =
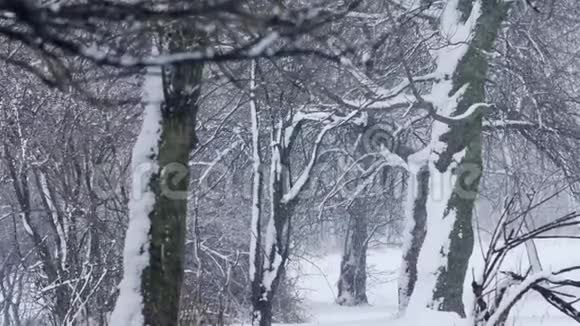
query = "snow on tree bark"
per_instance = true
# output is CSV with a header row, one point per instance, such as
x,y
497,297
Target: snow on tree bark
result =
x,y
416,215
255,263
163,278
255,236
129,306
151,287
276,242
352,281
455,160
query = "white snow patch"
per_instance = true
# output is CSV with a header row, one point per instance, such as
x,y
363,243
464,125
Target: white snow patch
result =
x,y
129,307
271,269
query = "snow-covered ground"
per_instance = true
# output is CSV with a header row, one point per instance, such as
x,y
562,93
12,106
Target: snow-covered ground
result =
x,y
318,285
319,277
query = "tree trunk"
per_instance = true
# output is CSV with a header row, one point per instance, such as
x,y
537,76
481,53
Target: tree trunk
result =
x,y
417,188
277,238
154,247
262,309
263,313
353,277
455,164
274,262
163,278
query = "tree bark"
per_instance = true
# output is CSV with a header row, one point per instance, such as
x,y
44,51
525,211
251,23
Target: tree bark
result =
x,y
162,279
353,277
418,189
455,163
278,230
472,71
263,313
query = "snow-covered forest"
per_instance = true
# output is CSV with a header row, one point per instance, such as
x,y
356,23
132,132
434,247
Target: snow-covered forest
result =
x,y
307,162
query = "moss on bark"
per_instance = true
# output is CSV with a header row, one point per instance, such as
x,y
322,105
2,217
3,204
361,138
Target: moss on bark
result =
x,y
471,71
162,280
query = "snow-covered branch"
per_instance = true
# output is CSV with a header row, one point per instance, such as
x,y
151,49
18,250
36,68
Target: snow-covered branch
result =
x,y
305,175
515,294
259,48
519,124
219,157
473,109
300,117
523,284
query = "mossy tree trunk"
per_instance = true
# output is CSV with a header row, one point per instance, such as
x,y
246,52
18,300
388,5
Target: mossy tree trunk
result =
x,y
162,279
471,71
455,163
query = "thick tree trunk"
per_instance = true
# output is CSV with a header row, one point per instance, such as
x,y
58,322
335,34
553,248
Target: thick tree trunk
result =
x,y
353,277
455,162
418,189
263,313
163,278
